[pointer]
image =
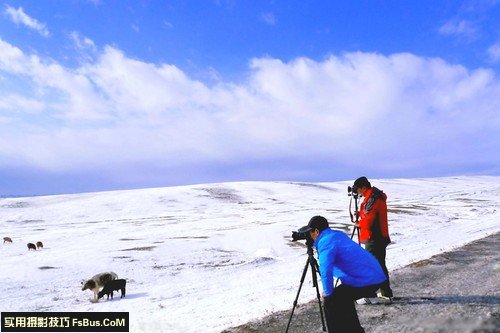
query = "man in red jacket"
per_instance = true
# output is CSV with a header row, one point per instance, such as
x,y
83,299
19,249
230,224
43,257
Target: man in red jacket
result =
x,y
373,226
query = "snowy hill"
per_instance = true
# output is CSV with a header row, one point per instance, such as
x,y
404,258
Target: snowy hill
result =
x,y
206,257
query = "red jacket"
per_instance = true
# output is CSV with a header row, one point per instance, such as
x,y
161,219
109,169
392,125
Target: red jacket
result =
x,y
373,224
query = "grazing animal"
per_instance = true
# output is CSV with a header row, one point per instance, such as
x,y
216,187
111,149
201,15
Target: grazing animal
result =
x,y
39,245
7,240
118,284
98,281
31,246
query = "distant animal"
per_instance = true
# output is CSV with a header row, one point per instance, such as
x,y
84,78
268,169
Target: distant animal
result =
x,y
39,245
118,284
31,246
7,240
98,281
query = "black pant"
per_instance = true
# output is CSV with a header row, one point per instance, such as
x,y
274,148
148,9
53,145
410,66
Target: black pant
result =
x,y
378,249
340,309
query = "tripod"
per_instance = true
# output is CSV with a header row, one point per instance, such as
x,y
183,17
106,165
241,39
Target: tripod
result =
x,y
355,216
311,261
353,193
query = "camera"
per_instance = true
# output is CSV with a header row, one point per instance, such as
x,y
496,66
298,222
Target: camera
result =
x,y
352,190
301,234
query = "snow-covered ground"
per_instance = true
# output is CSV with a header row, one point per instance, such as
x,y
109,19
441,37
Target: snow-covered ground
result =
x,y
205,257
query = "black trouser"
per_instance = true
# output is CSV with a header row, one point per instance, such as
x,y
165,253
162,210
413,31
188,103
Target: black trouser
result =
x,y
378,249
340,309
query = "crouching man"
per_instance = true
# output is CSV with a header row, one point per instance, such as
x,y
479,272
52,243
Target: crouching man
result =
x,y
358,271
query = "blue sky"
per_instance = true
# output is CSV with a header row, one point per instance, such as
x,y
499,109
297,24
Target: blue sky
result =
x,y
100,95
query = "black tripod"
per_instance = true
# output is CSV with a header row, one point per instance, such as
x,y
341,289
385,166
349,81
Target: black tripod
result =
x,y
311,261
353,193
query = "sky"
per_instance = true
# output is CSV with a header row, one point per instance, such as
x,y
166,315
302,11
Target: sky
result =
x,y
103,95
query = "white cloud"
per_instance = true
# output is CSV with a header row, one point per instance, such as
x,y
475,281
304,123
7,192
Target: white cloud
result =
x,y
77,98
18,16
494,52
82,42
168,24
20,104
269,18
137,87
460,28
396,112
85,47
11,58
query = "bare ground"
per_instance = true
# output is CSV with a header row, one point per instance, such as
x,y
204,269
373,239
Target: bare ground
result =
x,y
456,291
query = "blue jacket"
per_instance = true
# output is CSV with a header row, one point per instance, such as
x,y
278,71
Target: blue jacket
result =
x,y
342,258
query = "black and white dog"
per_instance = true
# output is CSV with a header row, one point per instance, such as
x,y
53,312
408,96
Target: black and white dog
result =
x,y
98,281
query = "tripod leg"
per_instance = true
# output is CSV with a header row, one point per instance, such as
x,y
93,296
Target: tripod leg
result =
x,y
355,230
298,292
318,296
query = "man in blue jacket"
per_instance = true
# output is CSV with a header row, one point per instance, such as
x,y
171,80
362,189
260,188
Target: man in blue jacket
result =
x,y
358,271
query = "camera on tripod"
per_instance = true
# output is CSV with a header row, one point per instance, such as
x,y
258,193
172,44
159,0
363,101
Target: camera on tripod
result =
x,y
304,234
352,190
301,234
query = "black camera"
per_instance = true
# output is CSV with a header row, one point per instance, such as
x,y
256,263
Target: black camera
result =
x,y
352,190
302,233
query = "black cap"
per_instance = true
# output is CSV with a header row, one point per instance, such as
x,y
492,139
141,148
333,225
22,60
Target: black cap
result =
x,y
362,182
318,222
